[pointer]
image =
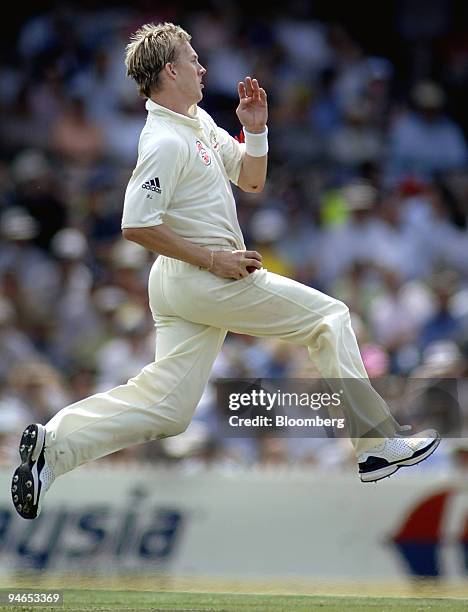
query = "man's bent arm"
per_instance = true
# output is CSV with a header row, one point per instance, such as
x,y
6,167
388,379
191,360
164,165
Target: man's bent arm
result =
x,y
161,239
226,264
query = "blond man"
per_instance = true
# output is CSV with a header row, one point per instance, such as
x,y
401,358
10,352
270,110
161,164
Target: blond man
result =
x,y
179,204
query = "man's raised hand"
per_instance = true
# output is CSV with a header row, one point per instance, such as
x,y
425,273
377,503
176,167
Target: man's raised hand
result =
x,y
253,108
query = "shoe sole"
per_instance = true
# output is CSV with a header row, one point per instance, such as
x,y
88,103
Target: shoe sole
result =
x,y
25,485
387,471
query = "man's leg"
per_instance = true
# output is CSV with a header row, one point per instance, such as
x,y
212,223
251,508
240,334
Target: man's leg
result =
x,y
269,305
158,402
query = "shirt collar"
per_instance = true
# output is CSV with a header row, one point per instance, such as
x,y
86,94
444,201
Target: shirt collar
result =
x,y
162,111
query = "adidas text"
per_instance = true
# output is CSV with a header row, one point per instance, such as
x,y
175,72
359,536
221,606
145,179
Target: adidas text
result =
x,y
152,185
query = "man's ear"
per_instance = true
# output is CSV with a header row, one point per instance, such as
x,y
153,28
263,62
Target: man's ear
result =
x,y
170,69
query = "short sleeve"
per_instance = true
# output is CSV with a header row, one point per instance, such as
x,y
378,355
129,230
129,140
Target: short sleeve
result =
x,y
232,154
152,184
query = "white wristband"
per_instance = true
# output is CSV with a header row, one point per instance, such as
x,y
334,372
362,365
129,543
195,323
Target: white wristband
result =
x,y
256,145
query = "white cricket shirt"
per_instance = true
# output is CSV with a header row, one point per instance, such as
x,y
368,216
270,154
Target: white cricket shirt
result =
x,y
182,178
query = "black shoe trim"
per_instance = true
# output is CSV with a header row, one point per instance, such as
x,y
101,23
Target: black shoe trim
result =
x,y
377,463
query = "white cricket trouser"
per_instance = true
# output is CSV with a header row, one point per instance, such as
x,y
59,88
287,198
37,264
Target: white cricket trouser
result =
x,y
193,310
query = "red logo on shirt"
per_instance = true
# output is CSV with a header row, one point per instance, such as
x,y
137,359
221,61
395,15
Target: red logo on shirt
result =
x,y
203,153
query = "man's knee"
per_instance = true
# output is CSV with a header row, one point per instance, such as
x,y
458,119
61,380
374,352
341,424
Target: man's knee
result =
x,y
336,316
341,309
334,309
326,305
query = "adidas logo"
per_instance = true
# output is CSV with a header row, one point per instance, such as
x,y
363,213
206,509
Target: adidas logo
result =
x,y
152,185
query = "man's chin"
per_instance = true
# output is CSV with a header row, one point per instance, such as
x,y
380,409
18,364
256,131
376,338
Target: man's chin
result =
x,y
196,100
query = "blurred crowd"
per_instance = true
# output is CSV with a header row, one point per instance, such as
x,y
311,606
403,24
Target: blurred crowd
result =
x,y
367,200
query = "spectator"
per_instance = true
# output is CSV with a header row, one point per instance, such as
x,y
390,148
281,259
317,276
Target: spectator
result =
x,y
356,142
36,191
75,137
443,325
424,140
39,388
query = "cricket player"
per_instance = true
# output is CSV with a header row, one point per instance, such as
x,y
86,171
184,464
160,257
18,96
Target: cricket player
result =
x,y
179,204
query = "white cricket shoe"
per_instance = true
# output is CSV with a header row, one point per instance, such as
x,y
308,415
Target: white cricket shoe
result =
x,y
393,453
34,476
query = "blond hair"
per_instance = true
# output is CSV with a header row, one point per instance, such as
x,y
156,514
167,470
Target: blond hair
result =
x,y
151,47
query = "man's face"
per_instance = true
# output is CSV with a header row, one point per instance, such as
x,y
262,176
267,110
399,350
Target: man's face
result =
x,y
189,73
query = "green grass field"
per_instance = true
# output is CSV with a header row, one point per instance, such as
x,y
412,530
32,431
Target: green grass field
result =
x,y
137,591
111,600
